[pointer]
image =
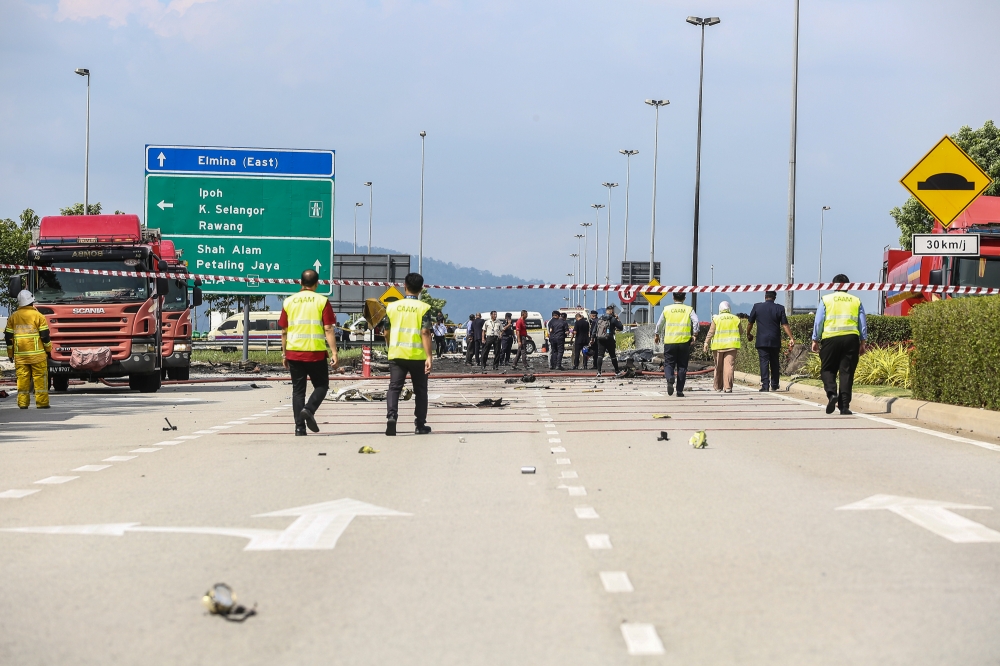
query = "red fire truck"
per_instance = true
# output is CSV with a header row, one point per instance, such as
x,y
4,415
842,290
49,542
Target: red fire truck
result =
x,y
901,267
178,328
91,311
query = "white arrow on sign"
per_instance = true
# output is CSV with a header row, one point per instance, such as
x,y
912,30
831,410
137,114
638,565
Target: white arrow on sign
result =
x,y
164,204
316,527
931,515
316,265
161,157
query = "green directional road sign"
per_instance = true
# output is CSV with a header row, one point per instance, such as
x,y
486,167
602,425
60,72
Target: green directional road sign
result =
x,y
247,226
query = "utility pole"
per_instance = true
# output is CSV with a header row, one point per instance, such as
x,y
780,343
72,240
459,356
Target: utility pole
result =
x,y
790,248
607,266
420,259
370,201
86,149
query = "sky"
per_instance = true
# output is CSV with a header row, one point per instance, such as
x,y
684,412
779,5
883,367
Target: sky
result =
x,y
526,106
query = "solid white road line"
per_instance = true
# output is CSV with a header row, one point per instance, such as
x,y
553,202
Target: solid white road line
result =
x,y
57,479
598,541
616,581
144,449
91,468
641,639
17,494
120,458
585,512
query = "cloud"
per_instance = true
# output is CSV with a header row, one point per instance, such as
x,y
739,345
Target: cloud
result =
x,y
150,13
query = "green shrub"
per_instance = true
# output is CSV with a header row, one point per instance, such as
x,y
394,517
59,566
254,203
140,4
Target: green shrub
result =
x,y
624,341
957,351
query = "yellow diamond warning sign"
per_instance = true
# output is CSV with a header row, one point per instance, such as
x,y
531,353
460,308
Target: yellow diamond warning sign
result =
x,y
652,299
946,181
391,294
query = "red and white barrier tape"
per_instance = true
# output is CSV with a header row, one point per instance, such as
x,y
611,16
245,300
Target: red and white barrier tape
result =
x,y
625,291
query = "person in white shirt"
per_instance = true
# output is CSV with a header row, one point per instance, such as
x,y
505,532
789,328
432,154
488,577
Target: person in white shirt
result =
x,y
440,333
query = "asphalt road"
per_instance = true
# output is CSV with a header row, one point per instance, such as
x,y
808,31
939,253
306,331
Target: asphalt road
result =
x,y
438,550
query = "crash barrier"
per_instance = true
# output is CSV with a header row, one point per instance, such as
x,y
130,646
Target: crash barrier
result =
x,y
627,292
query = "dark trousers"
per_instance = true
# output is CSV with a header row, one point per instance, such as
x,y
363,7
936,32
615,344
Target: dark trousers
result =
x,y
578,346
770,358
506,342
609,347
473,348
439,339
492,342
522,351
839,356
398,369
675,357
557,348
318,373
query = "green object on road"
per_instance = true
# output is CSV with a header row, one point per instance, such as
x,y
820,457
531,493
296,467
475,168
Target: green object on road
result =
x,y
699,440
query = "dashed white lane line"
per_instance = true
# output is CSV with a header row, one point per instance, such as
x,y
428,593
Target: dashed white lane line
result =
x,y
236,422
641,639
204,432
170,442
562,461
546,419
51,480
144,449
616,581
91,468
568,474
575,491
223,427
17,494
555,440
598,541
558,449
120,458
186,437
585,512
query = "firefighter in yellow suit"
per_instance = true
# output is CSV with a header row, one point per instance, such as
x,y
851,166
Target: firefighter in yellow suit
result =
x,y
28,344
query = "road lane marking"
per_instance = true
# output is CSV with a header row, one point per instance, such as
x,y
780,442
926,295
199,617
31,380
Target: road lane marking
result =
x,y
144,449
575,491
222,427
236,422
931,515
616,581
120,458
546,419
91,468
555,440
641,639
585,512
562,461
186,437
598,541
569,475
171,442
204,432
18,494
57,479
558,449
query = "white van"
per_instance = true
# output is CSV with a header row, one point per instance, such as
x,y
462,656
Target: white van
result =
x,y
535,324
264,331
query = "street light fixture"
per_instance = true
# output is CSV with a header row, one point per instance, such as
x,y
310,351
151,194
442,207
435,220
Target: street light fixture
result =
x,y
819,277
86,151
655,103
694,20
420,259
356,205
370,201
607,264
586,241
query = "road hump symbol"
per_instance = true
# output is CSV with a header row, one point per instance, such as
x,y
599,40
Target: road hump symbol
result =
x,y
946,181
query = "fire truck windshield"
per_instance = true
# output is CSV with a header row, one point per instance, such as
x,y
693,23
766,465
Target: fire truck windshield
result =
x,y
977,272
53,287
176,298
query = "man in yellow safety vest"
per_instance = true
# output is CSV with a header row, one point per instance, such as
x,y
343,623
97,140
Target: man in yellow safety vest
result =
x,y
307,327
678,328
839,336
724,340
28,344
410,334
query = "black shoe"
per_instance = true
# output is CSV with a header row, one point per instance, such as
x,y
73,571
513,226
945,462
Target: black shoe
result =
x,y
763,390
300,432
310,419
845,411
670,388
680,394
832,404
422,430
390,427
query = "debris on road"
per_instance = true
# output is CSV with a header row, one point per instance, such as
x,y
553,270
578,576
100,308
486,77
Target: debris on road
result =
x,y
661,416
488,402
699,440
527,470
256,386
358,394
322,453
170,426
367,449
461,440
664,437
221,600
528,378
592,390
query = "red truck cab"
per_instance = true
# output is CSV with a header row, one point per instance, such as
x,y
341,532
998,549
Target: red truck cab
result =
x,y
118,311
178,328
901,267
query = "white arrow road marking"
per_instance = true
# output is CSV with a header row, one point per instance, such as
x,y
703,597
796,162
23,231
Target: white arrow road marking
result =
x,y
317,527
931,515
161,157
164,204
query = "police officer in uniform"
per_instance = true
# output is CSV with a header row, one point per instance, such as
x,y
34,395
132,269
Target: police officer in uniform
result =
x,y
678,328
307,328
28,344
409,353
839,336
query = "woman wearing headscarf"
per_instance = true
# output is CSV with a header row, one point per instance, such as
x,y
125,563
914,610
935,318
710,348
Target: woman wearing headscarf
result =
x,y
724,340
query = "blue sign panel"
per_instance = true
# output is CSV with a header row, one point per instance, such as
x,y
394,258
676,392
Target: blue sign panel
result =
x,y
239,161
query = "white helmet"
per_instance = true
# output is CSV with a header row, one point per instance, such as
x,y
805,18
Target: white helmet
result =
x,y
724,306
25,298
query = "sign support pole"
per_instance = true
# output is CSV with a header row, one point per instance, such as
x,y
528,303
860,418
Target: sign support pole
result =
x,y
246,329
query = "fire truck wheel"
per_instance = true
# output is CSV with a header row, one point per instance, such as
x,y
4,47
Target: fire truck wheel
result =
x,y
181,374
60,383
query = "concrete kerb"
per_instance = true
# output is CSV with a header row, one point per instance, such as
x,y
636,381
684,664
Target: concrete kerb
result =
x,y
981,421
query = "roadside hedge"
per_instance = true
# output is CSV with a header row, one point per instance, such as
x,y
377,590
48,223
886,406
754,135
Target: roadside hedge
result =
x,y
957,355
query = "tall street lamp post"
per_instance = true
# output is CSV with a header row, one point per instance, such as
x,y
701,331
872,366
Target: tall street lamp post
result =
x,y
819,276
370,201
569,292
711,300
597,243
420,259
655,103
628,172
576,273
790,247
694,20
607,264
586,241
356,206
86,150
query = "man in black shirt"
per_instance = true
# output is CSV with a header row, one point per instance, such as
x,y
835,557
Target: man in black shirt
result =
x,y
477,337
506,338
581,337
604,335
770,319
557,341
